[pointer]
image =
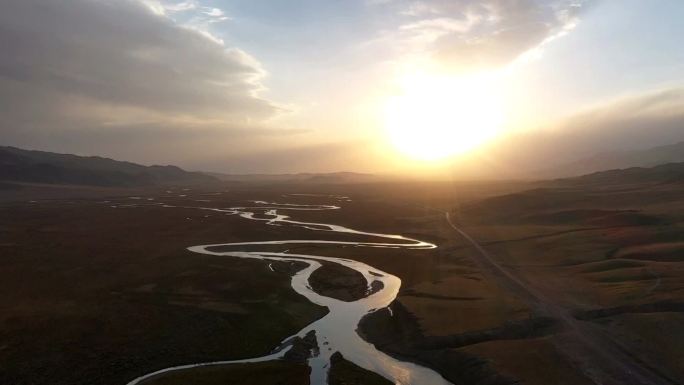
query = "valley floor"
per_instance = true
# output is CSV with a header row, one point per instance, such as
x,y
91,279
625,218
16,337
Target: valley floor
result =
x,y
95,291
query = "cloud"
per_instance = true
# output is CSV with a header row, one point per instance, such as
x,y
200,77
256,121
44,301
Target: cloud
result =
x,y
193,15
77,64
636,122
476,34
632,122
427,31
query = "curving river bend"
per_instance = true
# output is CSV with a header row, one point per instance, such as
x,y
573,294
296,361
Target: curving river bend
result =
x,y
336,331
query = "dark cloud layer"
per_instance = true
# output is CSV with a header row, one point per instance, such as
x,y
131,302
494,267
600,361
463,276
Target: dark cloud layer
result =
x,y
84,64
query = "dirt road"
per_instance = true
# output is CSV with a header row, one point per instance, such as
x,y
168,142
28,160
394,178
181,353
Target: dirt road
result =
x,y
602,359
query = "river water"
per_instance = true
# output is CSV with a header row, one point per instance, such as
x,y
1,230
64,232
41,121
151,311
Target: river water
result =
x,y
337,330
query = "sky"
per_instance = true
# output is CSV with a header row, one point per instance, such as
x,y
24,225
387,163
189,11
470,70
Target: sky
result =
x,y
482,87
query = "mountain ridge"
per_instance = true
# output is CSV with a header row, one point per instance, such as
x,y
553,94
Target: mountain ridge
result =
x,y
650,157
34,166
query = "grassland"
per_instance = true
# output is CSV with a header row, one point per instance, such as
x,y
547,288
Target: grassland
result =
x,y
95,294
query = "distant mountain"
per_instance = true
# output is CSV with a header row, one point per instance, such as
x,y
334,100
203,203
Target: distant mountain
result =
x,y
665,173
619,160
333,177
586,199
47,167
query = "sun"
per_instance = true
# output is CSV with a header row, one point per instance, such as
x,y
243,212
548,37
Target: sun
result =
x,y
435,117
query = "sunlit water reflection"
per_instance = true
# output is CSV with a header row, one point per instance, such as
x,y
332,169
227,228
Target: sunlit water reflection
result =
x,y
336,331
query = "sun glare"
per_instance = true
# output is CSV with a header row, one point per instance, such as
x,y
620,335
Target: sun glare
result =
x,y
435,117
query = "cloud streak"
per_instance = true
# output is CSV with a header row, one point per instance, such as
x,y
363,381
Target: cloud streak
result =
x,y
474,35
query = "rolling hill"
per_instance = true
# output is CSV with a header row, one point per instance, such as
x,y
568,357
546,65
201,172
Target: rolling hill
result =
x,y
664,173
18,165
655,156
332,177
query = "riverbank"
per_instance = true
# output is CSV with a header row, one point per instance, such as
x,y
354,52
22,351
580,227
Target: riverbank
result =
x,y
95,294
